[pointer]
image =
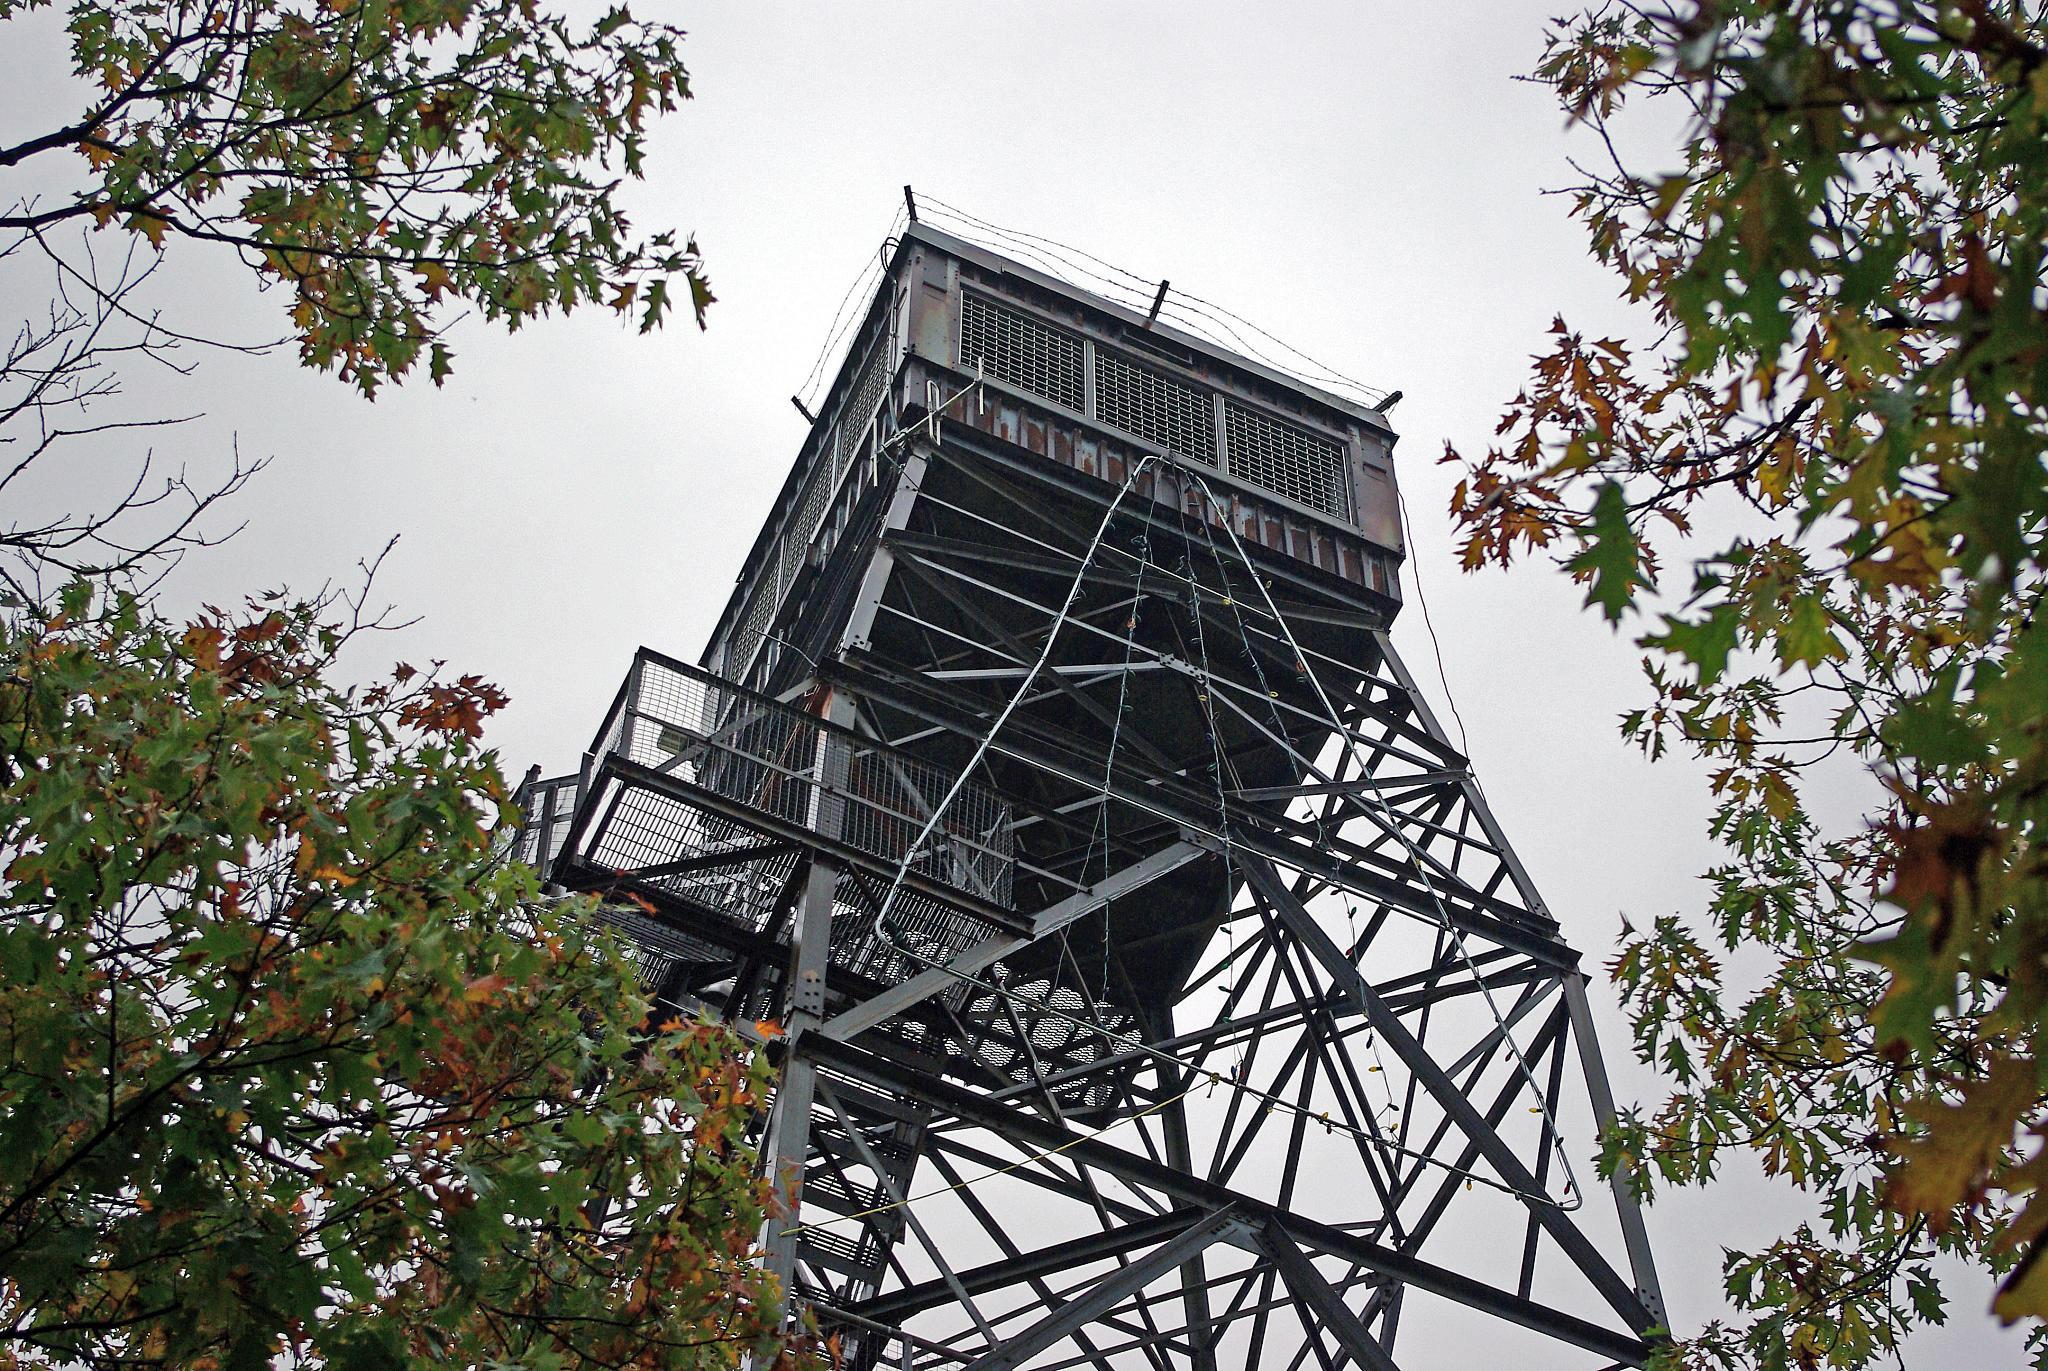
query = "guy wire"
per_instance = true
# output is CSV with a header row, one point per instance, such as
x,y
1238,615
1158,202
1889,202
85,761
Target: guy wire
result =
x,y
1230,602
1391,824
1116,728
880,925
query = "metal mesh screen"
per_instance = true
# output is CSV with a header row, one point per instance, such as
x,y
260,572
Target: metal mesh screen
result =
x,y
794,547
645,830
1020,351
759,611
1178,417
866,399
657,946
1026,1044
1286,460
784,762
920,932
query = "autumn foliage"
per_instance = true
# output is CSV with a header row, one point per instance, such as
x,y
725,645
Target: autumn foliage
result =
x,y
386,161
1817,478
298,1070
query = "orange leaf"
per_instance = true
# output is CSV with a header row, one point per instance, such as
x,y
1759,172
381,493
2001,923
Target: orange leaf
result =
x,y
151,226
484,987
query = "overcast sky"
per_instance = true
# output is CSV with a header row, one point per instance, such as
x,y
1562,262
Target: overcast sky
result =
x,y
1364,181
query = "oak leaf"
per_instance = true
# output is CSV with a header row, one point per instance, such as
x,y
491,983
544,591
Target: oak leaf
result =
x,y
1948,1166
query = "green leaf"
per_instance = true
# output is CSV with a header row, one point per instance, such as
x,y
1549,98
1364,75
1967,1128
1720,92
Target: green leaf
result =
x,y
1705,643
1807,637
1610,556
324,1140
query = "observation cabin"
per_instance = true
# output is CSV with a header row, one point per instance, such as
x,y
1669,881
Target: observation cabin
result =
x,y
952,487
996,439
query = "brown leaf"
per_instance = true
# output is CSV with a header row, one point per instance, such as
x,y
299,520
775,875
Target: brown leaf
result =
x,y
150,225
1949,1166
1940,860
484,987
458,708
203,641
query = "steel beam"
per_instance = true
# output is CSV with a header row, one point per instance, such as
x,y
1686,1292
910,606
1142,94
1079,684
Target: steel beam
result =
x,y
1144,1174
898,1305
1634,1236
789,1135
1107,1293
1618,1293
1318,1294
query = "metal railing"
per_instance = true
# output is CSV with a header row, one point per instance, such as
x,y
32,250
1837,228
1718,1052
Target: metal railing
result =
x,y
685,722
730,875
547,808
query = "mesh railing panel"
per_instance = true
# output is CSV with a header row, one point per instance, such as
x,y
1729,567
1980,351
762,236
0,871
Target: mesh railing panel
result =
x,y
783,762
1286,460
1178,417
808,513
1020,351
817,499
550,807
760,611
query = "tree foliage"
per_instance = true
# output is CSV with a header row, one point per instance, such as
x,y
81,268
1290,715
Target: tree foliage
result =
x,y
297,1066
1837,426
386,160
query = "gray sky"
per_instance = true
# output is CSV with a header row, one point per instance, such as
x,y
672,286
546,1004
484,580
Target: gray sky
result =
x,y
1365,182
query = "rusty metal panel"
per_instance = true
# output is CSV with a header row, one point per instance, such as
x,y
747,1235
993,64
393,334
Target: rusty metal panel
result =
x,y
1379,509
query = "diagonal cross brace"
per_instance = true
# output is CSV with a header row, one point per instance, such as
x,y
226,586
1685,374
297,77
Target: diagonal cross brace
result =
x,y
895,1192
1147,1174
1308,1286
1618,1293
990,950
1107,1293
